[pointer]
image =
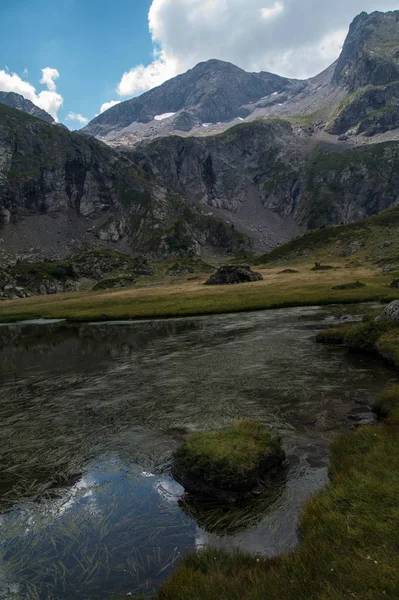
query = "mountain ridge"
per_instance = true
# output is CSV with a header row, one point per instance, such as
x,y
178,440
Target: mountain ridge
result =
x,y
14,100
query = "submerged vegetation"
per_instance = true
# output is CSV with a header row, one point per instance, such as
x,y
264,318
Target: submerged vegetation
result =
x,y
349,531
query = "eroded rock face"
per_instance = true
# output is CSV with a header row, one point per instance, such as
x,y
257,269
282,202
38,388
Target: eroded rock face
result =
x,y
48,171
391,312
230,275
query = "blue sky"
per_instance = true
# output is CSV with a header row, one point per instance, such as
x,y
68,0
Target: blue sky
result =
x,y
90,42
71,57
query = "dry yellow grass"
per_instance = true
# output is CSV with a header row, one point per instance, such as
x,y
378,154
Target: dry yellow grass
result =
x,y
194,298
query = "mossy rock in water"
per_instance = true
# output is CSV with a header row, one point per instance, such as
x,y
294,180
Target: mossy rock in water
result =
x,y
229,464
233,274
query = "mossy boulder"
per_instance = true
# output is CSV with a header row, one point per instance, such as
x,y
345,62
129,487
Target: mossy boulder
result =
x,y
229,464
233,274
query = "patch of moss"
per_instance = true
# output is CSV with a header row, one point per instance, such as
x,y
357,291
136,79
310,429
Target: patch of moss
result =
x,y
225,458
350,286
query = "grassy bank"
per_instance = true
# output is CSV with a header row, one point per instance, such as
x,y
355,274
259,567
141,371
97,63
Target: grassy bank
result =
x,y
306,287
349,534
381,338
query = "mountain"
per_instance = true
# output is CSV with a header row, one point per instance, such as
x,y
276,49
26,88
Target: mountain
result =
x,y
272,183
216,95
289,157
17,101
370,55
62,191
212,91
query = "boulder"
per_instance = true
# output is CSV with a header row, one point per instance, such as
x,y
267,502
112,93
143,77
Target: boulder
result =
x,y
229,465
234,274
390,312
351,249
394,284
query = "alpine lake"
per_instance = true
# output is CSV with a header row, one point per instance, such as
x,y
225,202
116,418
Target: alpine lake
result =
x,y
91,415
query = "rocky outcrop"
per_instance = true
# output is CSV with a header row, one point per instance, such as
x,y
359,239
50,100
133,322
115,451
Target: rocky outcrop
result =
x,y
94,195
231,275
368,111
258,163
263,164
17,101
370,55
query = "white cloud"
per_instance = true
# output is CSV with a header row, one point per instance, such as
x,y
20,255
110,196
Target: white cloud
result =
x,y
273,11
108,105
294,38
49,100
77,117
49,75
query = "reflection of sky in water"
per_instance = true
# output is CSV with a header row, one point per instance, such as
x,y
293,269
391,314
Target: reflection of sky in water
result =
x,y
112,401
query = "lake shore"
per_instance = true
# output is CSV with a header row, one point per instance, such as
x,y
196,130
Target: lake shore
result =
x,y
185,297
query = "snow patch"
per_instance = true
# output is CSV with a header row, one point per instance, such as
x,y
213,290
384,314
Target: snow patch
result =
x,y
275,94
240,119
164,116
206,124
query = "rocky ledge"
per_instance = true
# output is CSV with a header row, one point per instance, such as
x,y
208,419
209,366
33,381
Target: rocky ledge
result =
x,y
234,274
229,465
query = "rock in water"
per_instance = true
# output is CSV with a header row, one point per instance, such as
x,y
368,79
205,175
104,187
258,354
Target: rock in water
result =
x,y
234,274
229,464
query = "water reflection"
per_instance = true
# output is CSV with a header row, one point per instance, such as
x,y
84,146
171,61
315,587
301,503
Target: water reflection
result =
x,y
91,415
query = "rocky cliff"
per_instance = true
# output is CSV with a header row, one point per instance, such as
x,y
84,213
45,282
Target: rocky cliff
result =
x,y
266,164
17,101
61,190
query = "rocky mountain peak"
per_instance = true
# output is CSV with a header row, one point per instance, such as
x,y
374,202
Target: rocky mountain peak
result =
x,y
370,55
17,101
213,91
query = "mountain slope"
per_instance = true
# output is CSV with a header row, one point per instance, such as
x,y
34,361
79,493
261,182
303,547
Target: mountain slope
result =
x,y
370,55
259,169
17,101
210,92
60,191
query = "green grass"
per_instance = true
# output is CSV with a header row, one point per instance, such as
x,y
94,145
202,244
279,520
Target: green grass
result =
x,y
227,459
193,298
387,404
330,241
377,337
349,538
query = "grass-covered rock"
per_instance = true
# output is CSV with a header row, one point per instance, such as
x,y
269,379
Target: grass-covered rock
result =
x,y
228,464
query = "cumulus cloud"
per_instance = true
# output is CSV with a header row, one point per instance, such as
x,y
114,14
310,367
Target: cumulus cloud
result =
x,y
294,38
49,100
108,105
77,117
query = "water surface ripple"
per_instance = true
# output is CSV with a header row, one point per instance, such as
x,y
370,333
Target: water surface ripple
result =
x,y
91,414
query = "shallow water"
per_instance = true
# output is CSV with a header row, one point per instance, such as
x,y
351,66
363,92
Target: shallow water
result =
x,y
91,414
